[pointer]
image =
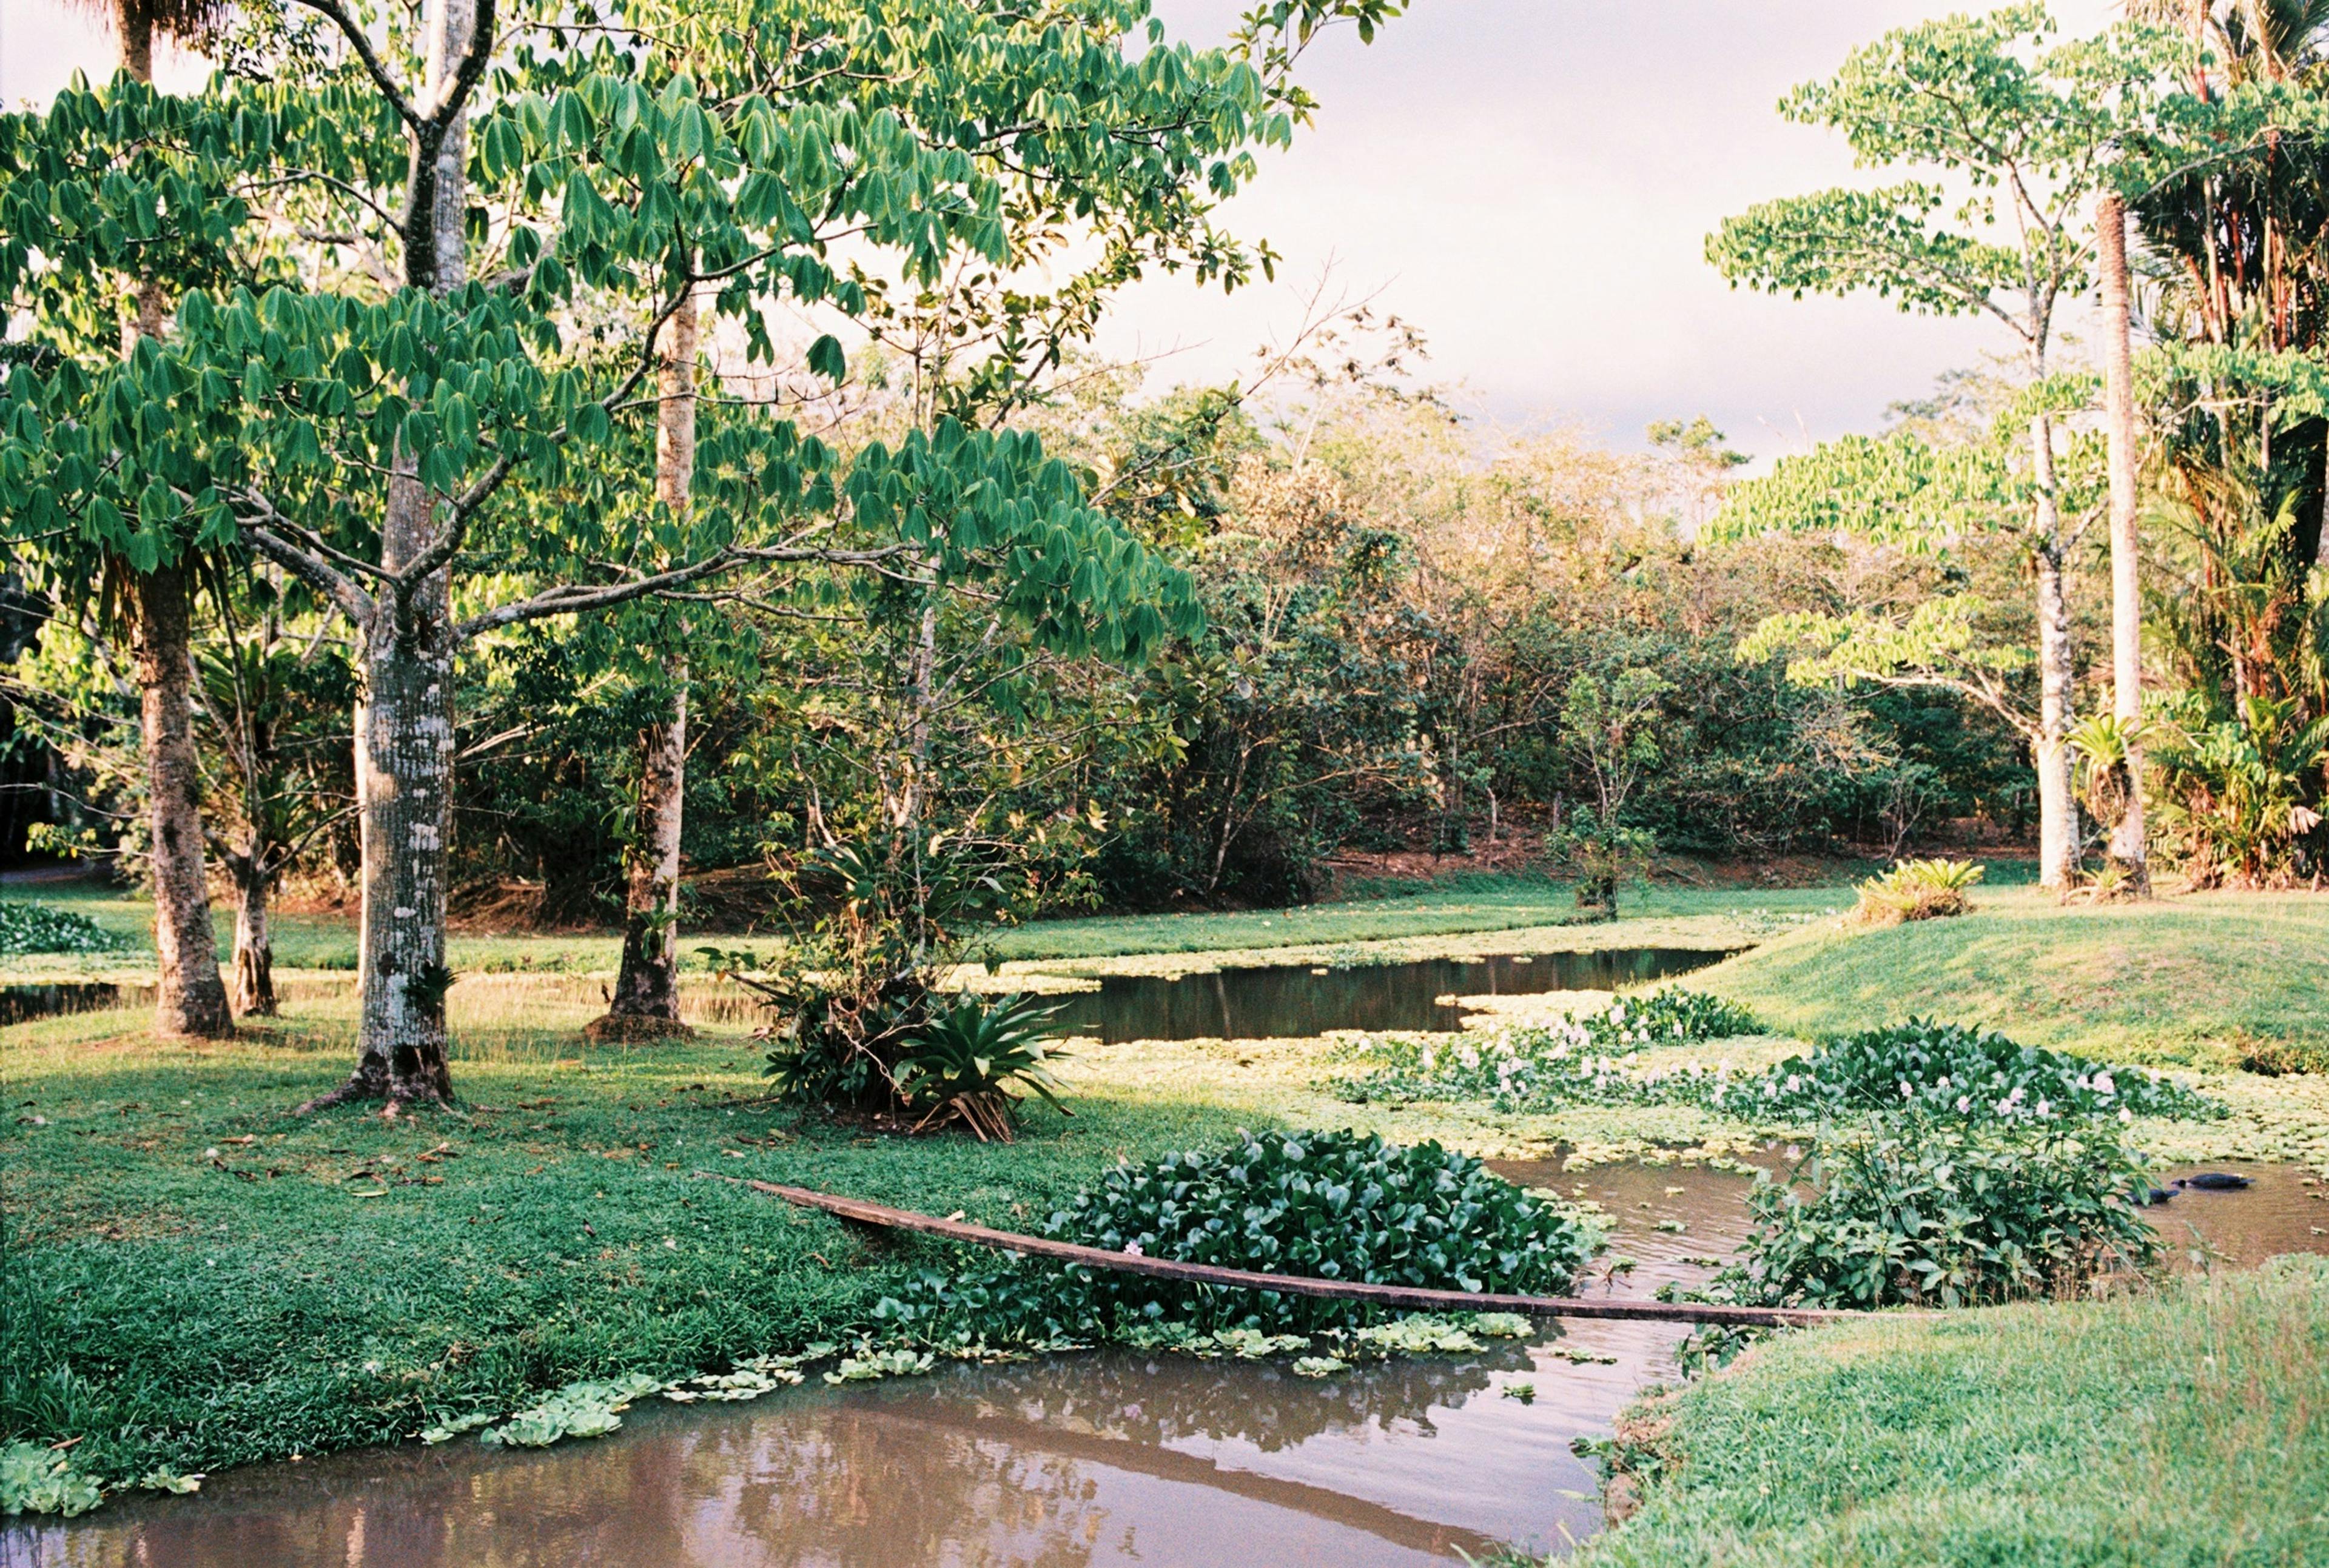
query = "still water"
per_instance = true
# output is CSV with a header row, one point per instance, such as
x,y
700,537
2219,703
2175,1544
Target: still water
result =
x,y
1297,1000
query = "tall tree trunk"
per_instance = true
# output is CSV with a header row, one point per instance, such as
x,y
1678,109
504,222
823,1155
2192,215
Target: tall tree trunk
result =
x,y
253,980
404,711
646,1000
191,999
2129,849
2058,803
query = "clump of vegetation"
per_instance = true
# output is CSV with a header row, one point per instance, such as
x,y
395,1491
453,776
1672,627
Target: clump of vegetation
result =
x,y
1951,1072
39,1480
29,927
861,1018
1914,1214
1336,1205
2280,1058
1575,1061
1918,890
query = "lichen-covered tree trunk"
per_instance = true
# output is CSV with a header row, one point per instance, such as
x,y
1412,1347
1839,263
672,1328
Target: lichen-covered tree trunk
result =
x,y
404,710
252,982
2129,848
2057,804
645,998
191,997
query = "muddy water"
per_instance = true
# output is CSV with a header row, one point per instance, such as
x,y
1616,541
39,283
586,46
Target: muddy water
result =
x,y
1103,1457
1099,1458
1293,1001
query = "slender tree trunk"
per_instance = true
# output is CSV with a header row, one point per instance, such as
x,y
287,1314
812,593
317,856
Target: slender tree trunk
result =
x,y
2057,804
133,23
404,713
254,947
646,987
2129,849
191,997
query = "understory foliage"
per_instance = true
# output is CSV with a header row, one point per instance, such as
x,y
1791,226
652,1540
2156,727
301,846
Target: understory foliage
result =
x,y
1949,1073
1336,1205
1576,1061
27,927
1922,1215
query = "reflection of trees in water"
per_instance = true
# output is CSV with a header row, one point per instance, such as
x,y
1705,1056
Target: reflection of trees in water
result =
x,y
1160,1399
859,1487
986,1467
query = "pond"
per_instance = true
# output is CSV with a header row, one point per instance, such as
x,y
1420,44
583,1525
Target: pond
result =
x,y
1300,1000
22,1003
1105,1457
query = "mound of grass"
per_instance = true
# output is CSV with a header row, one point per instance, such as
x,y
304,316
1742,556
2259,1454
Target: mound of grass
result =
x,y
2180,1427
2179,979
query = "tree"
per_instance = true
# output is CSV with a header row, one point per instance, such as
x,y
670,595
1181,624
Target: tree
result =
x,y
2128,848
1607,725
416,451
2026,130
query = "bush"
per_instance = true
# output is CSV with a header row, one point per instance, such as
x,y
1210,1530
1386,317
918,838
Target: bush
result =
x,y
962,1061
1955,1074
2279,1058
28,927
1335,1205
1923,1216
1573,1062
1918,890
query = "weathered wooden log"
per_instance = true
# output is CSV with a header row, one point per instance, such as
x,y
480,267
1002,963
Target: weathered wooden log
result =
x,y
1408,1297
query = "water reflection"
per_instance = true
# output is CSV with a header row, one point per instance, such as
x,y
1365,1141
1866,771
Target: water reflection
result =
x,y
1295,1001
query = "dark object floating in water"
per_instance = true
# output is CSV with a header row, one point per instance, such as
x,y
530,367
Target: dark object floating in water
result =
x,y
1297,1000
2150,1198
22,1003
2214,1181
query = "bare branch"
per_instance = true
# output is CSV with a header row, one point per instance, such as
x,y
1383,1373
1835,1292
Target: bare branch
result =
x,y
353,32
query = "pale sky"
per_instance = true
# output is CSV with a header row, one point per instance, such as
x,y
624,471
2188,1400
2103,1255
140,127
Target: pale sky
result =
x,y
1530,182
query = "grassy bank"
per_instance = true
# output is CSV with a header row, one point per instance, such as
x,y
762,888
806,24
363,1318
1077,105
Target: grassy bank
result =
x,y
2188,1427
2176,979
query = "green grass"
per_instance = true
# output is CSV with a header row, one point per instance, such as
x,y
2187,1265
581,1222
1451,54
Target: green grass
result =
x,y
2190,1427
2175,980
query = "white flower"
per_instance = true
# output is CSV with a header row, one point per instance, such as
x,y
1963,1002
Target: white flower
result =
x,y
2125,1115
1132,1249
2045,1108
2104,1086
1794,1083
1964,1104
1907,1093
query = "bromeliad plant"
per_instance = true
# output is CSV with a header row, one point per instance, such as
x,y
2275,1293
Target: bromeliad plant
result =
x,y
1918,890
963,1062
1947,1072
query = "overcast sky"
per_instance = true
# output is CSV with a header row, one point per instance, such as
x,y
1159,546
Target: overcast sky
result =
x,y
1530,182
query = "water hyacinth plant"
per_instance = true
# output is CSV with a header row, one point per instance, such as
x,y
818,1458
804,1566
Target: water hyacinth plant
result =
x,y
1948,1072
1576,1061
1952,1216
29,927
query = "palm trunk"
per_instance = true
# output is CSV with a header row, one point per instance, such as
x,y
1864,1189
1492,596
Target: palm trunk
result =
x,y
646,987
253,986
191,999
405,713
2129,849
2058,806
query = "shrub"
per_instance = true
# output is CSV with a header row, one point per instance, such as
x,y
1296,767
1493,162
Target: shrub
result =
x,y
1918,890
1335,1205
2279,1058
1923,1216
962,1061
1573,1062
1953,1073
28,927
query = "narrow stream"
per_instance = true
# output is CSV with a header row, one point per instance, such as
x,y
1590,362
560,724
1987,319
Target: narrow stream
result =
x,y
1105,1457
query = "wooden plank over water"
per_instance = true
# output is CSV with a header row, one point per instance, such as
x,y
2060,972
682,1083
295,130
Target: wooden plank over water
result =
x,y
1407,1297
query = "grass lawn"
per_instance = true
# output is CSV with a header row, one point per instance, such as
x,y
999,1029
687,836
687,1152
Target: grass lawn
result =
x,y
2177,980
2189,1427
